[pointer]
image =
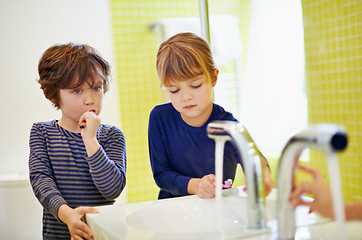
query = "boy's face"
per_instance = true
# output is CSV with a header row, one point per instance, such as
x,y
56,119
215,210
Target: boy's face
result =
x,y
75,102
192,99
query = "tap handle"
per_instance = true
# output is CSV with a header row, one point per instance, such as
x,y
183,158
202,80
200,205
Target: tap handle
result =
x,y
339,141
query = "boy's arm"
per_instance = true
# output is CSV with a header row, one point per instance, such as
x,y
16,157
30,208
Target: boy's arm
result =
x,y
40,172
92,146
108,163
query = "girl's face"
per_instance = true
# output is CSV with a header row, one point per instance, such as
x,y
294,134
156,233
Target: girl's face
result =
x,y
75,102
193,98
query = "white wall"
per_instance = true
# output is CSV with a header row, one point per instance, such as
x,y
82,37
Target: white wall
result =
x,y
27,29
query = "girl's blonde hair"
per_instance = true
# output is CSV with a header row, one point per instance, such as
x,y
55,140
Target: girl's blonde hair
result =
x,y
182,57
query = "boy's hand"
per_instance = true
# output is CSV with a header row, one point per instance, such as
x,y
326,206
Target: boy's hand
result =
x,y
73,218
92,124
89,133
206,186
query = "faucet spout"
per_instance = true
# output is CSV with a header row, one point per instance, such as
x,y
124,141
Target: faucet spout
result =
x,y
327,137
252,164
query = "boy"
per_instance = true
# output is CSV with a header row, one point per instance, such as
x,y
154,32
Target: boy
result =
x,y
182,155
72,167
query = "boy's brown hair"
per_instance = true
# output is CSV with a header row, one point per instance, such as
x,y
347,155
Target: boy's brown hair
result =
x,y
182,57
67,66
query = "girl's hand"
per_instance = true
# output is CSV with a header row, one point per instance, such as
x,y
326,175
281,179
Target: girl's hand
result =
x,y
206,186
268,181
73,218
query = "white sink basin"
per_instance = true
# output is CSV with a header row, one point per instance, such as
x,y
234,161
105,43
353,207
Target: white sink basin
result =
x,y
188,218
194,218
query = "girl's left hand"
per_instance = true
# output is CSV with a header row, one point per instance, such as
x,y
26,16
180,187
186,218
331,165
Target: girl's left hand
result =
x,y
206,186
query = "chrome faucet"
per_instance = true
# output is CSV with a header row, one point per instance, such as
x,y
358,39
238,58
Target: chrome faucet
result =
x,y
252,164
326,137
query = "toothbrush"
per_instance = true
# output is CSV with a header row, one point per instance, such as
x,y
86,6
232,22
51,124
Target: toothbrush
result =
x,y
84,123
227,183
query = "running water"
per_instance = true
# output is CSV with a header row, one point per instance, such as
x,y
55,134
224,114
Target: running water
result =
x,y
219,160
336,190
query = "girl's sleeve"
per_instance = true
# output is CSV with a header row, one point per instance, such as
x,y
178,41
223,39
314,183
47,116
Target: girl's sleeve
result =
x,y
108,164
165,177
40,172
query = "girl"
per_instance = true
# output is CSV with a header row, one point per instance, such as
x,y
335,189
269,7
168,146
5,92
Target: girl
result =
x,y
182,155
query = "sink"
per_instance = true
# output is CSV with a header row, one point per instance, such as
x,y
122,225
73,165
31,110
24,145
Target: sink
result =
x,y
187,216
190,217
195,218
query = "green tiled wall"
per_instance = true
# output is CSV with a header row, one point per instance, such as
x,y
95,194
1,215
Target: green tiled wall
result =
x,y
332,30
333,76
135,50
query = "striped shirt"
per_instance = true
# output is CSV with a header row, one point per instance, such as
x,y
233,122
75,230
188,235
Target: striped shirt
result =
x,y
62,173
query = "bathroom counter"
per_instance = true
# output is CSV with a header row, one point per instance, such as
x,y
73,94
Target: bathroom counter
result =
x,y
191,217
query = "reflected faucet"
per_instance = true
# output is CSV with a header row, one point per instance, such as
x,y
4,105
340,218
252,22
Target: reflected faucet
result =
x,y
252,165
326,137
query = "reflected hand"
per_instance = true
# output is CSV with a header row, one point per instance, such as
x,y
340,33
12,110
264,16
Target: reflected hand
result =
x,y
322,202
268,182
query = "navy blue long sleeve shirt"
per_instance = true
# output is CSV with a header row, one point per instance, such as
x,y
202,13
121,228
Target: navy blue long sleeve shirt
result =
x,y
179,152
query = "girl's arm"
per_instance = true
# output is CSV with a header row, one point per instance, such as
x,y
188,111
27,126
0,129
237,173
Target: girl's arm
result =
x,y
268,181
164,175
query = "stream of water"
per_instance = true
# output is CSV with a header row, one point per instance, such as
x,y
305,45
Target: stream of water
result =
x,y
336,190
219,160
